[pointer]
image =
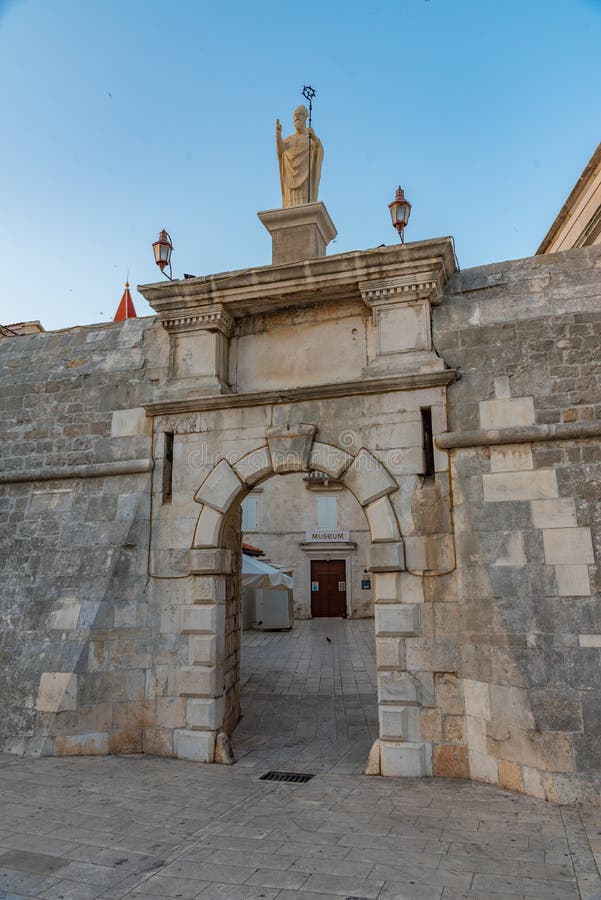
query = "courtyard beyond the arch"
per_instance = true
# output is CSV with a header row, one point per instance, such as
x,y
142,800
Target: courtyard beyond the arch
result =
x,y
309,701
149,827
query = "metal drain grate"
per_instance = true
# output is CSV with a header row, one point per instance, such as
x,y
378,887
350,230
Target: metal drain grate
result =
x,y
292,777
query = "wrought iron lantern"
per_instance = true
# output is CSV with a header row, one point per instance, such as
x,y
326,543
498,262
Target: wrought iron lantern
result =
x,y
400,210
162,249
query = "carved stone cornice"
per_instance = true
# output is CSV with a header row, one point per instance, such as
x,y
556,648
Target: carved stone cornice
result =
x,y
405,382
212,318
420,269
403,289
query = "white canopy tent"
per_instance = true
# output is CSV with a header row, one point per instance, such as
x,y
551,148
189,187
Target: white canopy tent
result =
x,y
257,574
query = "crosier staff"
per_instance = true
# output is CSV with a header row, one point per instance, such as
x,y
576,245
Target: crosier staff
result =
x,y
308,93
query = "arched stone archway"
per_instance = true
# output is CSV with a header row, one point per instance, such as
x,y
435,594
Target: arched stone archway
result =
x,y
209,681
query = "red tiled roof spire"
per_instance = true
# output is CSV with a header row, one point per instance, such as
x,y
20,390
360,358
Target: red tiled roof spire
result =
x,y
126,309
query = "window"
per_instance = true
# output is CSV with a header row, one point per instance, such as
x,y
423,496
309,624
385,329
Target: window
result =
x,y
249,514
327,512
168,467
428,441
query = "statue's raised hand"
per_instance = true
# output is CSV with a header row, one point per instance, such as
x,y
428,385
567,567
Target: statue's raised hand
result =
x,y
278,126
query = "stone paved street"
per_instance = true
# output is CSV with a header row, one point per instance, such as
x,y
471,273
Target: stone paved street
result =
x,y
309,704
114,827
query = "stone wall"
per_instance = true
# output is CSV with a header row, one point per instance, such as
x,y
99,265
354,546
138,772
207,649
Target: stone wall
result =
x,y
120,596
77,650
524,338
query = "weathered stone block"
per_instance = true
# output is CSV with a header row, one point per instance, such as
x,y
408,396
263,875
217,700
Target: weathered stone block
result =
x,y
510,776
329,459
157,741
170,712
431,725
205,619
198,746
130,422
540,484
449,693
506,412
403,759
290,446
430,553
483,767
589,640
504,549
557,710
220,488
126,741
382,521
507,704
559,513
208,528
568,546
390,653
386,587
208,588
533,783
367,478
400,723
450,761
57,691
202,651
197,680
210,562
204,714
476,734
397,619
511,458
412,588
388,557
477,698
65,613
254,467
573,581
454,729
398,687
91,744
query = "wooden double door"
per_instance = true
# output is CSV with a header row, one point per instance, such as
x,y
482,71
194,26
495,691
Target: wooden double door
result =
x,y
328,588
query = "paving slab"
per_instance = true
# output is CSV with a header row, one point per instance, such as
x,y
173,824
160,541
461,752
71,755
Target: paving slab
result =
x,y
241,838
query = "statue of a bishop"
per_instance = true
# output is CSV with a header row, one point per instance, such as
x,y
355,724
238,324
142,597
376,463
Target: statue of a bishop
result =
x,y
300,156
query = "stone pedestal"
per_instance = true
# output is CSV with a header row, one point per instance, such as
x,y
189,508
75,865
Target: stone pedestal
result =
x,y
298,232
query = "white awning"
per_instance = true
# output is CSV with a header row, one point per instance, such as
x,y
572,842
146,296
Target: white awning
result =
x,y
257,574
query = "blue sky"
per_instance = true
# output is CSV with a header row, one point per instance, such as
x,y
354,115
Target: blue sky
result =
x,y
121,118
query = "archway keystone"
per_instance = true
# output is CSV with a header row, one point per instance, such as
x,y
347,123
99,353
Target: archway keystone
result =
x,y
290,446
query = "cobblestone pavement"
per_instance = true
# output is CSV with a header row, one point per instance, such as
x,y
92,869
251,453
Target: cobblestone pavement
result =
x,y
309,697
114,827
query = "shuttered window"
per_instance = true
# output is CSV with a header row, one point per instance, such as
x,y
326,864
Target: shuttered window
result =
x,y
249,514
327,512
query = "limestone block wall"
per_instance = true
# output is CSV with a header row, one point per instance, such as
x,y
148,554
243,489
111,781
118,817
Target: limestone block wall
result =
x,y
525,420
79,660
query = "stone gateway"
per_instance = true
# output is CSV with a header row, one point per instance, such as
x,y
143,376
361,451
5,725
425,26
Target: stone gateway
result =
x,y
475,403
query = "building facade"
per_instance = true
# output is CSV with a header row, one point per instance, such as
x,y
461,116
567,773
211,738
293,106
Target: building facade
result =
x,y
578,223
